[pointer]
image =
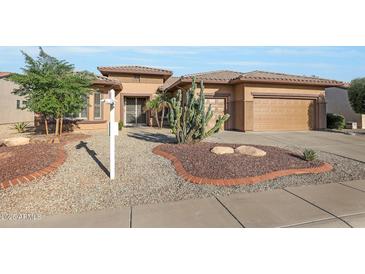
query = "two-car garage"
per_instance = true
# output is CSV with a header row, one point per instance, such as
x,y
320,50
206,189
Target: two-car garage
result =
x,y
272,114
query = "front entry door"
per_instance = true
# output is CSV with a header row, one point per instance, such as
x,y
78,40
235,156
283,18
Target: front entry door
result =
x,y
134,113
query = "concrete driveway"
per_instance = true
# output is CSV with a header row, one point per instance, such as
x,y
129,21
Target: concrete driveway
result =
x,y
337,143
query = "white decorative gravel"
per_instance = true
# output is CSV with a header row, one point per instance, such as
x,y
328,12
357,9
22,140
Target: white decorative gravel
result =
x,y
142,177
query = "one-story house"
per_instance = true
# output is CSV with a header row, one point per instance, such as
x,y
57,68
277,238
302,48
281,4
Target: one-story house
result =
x,y
256,101
11,105
338,102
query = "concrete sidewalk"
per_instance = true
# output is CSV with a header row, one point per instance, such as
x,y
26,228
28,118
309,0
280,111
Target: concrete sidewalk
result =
x,y
327,205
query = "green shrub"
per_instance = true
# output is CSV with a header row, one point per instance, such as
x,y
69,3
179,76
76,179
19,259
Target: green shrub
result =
x,y
20,127
335,121
309,155
120,125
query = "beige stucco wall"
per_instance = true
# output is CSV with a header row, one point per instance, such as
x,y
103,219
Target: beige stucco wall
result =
x,y
238,107
338,102
131,78
8,105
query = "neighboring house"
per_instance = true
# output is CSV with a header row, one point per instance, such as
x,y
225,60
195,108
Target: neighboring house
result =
x,y
10,104
338,102
256,101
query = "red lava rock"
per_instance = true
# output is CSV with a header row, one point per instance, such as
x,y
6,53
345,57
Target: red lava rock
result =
x,y
22,164
230,169
26,159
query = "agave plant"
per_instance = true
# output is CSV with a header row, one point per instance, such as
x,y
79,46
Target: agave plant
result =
x,y
20,127
309,155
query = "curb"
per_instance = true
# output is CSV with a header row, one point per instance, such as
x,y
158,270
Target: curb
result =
x,y
180,170
61,157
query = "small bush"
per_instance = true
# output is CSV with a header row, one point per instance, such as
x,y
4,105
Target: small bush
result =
x,y
20,127
309,155
120,125
335,121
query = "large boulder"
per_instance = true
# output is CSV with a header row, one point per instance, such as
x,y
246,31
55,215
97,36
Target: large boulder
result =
x,y
250,150
222,150
16,141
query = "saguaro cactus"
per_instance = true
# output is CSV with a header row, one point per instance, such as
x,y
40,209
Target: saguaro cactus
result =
x,y
188,118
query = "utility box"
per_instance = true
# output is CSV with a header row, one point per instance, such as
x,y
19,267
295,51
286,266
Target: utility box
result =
x,y
351,125
113,129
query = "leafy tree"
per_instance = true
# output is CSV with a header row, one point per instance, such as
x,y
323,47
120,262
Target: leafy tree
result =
x,y
357,95
52,87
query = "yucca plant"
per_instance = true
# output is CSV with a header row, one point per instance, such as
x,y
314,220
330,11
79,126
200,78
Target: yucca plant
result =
x,y
309,155
20,127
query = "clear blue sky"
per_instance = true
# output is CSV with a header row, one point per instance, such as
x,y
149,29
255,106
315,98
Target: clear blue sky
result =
x,y
340,63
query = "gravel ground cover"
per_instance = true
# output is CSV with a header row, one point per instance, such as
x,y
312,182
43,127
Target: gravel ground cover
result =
x,y
8,131
199,161
23,160
64,138
81,183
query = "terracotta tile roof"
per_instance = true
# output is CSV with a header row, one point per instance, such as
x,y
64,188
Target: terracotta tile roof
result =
x,y
4,74
219,75
170,81
135,69
232,77
102,80
264,76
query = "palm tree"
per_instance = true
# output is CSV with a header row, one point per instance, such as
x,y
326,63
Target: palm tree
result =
x,y
163,102
153,105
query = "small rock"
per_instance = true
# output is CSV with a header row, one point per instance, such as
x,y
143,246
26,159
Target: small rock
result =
x,y
250,150
16,141
222,150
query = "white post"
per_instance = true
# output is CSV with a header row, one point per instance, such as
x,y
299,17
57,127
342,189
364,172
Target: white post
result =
x,y
112,134
113,131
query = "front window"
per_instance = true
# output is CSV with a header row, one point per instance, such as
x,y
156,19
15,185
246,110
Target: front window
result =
x,y
84,112
97,105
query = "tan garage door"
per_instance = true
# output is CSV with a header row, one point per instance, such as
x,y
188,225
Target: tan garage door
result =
x,y
283,114
218,108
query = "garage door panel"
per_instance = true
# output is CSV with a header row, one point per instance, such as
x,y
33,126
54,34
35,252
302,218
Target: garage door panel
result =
x,y
283,114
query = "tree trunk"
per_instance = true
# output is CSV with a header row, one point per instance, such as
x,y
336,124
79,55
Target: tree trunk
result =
x,y
46,125
156,117
56,132
162,117
61,125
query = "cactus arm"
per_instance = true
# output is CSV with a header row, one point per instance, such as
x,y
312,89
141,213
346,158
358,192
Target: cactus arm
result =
x,y
220,121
